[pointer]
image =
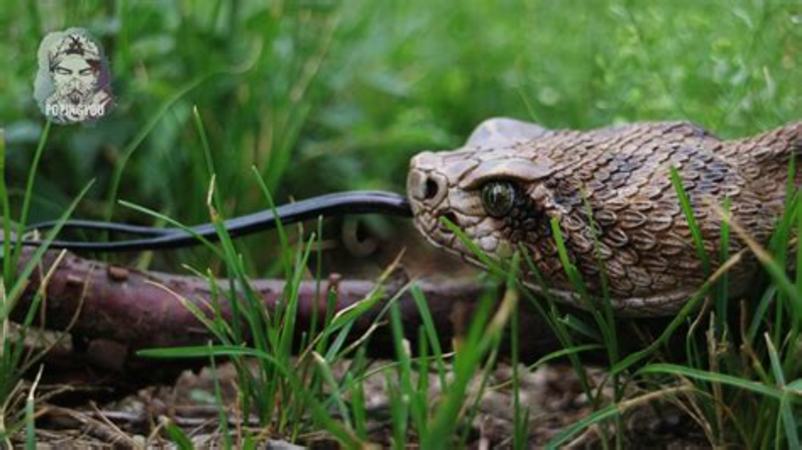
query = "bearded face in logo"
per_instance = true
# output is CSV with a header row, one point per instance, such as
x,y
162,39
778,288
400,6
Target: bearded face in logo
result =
x,y
75,78
72,82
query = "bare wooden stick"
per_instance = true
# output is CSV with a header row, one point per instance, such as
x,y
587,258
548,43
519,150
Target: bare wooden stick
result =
x,y
120,310
142,309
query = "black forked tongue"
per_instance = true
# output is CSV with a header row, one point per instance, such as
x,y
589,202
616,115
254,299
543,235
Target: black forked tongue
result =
x,y
153,238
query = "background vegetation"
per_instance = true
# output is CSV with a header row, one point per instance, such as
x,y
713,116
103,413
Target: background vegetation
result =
x,y
332,95
322,96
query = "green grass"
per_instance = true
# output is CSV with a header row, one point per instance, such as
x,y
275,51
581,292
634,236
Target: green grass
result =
x,y
353,88
15,357
284,389
256,97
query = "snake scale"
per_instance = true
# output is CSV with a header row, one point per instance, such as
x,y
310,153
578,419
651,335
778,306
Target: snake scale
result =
x,y
608,189
611,193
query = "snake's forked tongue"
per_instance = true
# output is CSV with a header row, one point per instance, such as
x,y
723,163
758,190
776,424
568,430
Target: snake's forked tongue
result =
x,y
352,202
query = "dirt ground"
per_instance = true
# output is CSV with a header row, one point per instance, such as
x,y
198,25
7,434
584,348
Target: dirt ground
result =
x,y
552,393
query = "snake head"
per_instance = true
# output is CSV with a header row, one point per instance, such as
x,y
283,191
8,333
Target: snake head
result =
x,y
491,188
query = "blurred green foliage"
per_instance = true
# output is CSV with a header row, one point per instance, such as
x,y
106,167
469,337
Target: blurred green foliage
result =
x,y
326,95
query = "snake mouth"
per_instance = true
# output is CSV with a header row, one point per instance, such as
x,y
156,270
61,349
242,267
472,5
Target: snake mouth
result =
x,y
430,226
444,219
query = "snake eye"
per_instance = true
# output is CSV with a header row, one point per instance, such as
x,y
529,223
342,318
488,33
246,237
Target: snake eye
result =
x,y
498,198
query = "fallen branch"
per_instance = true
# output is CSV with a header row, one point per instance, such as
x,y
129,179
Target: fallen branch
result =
x,y
115,311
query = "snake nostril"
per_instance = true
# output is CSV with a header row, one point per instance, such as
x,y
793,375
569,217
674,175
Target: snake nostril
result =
x,y
431,189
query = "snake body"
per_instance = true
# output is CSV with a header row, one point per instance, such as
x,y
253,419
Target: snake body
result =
x,y
609,190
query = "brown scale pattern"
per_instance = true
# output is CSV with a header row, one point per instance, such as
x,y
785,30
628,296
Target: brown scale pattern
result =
x,y
637,227
645,229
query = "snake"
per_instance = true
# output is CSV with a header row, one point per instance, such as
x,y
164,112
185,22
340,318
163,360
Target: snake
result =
x,y
613,195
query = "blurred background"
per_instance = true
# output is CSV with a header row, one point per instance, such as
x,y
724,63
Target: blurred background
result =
x,y
328,95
